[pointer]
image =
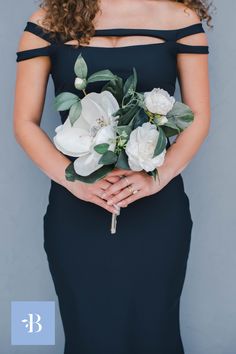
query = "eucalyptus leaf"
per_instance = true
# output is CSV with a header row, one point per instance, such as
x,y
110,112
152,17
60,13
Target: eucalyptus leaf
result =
x,y
161,143
131,83
153,173
80,67
127,113
171,124
140,118
122,161
102,75
109,157
65,100
72,176
115,86
101,148
75,112
123,128
170,131
181,115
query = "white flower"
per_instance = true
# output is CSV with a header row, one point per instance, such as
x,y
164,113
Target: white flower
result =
x,y
94,126
158,101
140,148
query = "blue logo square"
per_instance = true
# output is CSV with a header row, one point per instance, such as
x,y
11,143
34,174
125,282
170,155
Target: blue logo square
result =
x,y
33,323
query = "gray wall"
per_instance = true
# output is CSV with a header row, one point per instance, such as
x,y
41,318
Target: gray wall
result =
x,y
208,311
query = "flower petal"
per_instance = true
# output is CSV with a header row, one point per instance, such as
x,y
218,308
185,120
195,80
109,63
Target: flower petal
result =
x,y
85,165
72,141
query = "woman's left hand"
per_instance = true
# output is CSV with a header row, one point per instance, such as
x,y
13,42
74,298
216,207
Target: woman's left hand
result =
x,y
132,186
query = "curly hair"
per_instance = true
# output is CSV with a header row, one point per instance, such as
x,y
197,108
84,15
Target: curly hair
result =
x,y
68,18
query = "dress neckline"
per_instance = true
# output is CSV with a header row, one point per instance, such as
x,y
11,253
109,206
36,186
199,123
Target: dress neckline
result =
x,y
132,29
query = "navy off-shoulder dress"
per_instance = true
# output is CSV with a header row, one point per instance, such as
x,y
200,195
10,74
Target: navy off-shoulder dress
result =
x,y
120,293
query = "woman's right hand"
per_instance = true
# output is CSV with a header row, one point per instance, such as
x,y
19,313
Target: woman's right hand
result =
x,y
92,192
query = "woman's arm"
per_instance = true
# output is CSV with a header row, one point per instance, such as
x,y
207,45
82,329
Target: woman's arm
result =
x,y
195,92
30,90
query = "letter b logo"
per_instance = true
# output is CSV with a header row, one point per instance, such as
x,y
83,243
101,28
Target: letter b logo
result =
x,y
33,323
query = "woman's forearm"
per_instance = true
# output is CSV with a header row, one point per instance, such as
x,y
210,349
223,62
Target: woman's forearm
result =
x,y
42,151
186,145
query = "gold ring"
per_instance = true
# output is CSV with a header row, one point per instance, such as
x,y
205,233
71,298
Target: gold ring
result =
x,y
130,188
133,191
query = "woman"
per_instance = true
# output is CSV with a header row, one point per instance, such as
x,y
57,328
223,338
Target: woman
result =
x,y
118,294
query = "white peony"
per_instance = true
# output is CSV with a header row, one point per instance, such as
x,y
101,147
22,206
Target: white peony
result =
x,y
158,101
140,148
94,126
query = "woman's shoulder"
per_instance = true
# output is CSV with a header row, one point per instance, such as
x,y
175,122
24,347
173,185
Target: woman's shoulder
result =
x,y
29,40
176,15
38,16
179,16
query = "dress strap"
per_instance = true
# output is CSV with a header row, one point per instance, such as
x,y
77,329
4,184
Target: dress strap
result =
x,y
188,31
39,31
36,52
33,53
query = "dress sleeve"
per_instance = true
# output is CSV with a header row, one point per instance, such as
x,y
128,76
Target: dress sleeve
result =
x,y
42,51
188,31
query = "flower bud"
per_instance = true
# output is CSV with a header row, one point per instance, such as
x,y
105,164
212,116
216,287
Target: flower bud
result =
x,y
80,84
161,120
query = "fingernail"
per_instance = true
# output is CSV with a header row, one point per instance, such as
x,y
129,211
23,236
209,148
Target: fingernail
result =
x,y
109,202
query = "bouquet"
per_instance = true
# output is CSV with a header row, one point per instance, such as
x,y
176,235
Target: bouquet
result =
x,y
118,127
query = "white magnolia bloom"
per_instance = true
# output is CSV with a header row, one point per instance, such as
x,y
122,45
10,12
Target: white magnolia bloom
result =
x,y
140,148
94,126
158,101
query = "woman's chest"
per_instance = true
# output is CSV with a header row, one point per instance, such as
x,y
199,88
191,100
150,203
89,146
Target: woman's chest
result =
x,y
155,65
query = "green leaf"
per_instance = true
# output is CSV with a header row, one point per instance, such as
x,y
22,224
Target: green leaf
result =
x,y
180,115
109,157
161,143
131,83
121,129
140,118
127,113
115,86
101,148
71,175
153,173
65,100
170,131
80,68
170,124
102,75
75,112
122,161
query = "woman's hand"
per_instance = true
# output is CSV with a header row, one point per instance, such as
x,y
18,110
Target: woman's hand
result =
x,y
93,192
134,185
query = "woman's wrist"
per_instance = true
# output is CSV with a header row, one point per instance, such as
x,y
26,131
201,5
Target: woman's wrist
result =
x,y
166,174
